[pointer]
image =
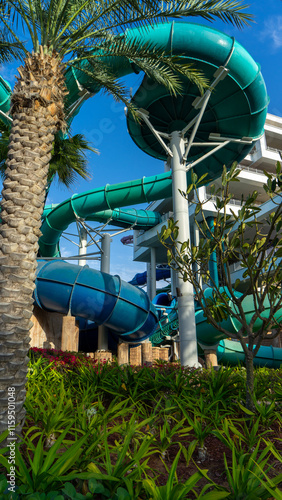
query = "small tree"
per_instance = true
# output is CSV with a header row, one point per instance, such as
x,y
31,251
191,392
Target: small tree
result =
x,y
246,236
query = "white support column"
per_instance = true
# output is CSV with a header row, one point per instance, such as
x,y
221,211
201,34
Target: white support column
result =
x,y
153,286
105,268
106,253
82,245
186,310
173,285
149,293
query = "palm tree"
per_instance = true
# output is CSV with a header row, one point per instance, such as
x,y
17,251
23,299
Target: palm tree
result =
x,y
64,34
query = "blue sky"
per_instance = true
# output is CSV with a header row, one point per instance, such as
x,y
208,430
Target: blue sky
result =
x,y
103,122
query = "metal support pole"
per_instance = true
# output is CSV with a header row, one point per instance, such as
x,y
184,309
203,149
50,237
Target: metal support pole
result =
x,y
149,293
186,310
82,245
105,268
106,252
173,285
153,287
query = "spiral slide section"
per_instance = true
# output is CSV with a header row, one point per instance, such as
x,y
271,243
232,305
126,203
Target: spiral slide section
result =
x,y
236,108
87,293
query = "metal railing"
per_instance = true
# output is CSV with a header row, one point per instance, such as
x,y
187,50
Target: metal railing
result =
x,y
233,201
274,150
250,169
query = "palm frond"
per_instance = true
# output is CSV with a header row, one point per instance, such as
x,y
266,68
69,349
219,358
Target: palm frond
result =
x,y
70,25
159,64
69,160
9,48
116,16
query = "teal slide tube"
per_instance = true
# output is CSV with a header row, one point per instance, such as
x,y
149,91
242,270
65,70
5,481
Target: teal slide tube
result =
x,y
140,219
5,96
231,353
237,106
85,205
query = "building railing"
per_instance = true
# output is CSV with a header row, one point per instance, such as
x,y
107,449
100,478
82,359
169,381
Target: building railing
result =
x,y
236,266
274,150
211,197
250,169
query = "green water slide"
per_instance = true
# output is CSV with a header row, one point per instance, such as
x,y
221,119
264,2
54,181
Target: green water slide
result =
x,y
237,109
228,351
231,353
5,96
86,205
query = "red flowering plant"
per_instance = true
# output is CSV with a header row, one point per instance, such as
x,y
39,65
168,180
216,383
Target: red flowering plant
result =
x,y
58,359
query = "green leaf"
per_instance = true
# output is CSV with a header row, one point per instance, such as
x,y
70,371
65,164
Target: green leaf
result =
x,y
69,490
122,494
214,495
237,283
3,483
246,410
94,486
278,252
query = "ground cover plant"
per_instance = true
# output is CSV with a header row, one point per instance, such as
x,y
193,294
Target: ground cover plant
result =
x,y
158,432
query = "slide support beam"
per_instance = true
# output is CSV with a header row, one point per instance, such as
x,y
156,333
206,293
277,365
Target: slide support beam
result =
x,y
153,285
186,311
105,268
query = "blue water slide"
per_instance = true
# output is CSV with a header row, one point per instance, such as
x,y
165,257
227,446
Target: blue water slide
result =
x,y
162,273
86,293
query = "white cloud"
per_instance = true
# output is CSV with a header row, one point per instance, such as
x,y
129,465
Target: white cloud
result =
x,y
66,252
273,31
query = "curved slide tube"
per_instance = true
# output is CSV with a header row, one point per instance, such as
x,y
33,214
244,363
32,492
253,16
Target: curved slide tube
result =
x,y
141,278
231,353
237,106
126,310
85,205
86,293
140,219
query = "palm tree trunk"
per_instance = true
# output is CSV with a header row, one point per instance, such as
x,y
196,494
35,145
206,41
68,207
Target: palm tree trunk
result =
x,y
37,114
